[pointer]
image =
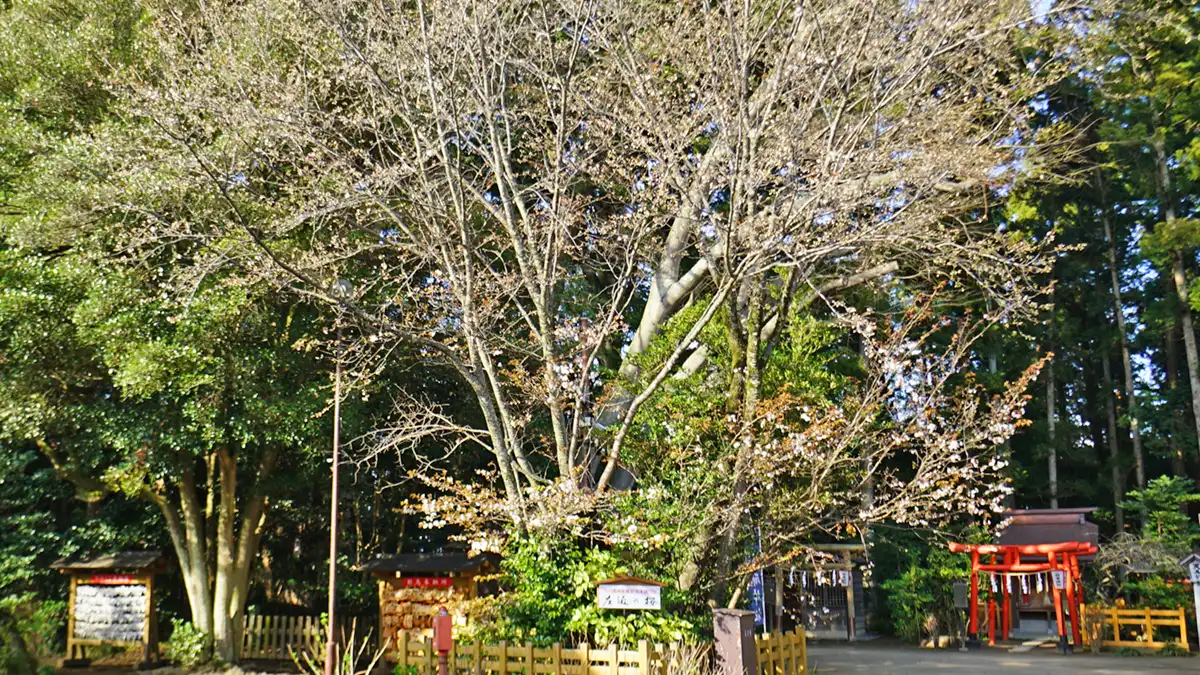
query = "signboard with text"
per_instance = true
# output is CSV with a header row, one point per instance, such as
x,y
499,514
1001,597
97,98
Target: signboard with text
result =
x,y
427,582
1060,578
628,596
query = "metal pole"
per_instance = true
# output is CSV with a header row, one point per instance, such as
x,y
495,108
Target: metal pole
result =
x,y
1196,599
331,642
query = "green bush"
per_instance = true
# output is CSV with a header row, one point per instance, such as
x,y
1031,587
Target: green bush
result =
x,y
189,646
1174,649
14,658
921,598
405,670
550,596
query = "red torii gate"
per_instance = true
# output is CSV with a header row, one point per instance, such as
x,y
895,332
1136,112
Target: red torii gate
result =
x,y
1062,557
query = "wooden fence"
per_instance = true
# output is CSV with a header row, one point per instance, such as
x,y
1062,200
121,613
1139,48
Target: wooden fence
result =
x,y
269,637
778,655
276,637
783,653
1116,627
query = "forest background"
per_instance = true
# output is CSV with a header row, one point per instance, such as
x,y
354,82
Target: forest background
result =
x,y
625,287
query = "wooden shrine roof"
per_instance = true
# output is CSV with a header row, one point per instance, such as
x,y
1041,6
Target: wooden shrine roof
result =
x,y
430,562
1048,526
119,560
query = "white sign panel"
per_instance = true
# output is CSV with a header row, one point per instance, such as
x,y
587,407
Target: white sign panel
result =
x,y
1060,578
113,613
1194,571
628,596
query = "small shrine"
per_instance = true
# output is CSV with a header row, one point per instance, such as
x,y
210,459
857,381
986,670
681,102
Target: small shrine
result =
x,y
413,586
112,604
1023,570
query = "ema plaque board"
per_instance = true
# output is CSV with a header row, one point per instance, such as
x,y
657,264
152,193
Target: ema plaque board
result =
x,y
110,612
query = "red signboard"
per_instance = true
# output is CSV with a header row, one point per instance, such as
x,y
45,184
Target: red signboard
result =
x,y
111,579
427,582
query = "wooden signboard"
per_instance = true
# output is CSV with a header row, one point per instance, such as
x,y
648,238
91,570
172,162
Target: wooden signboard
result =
x,y
629,593
111,604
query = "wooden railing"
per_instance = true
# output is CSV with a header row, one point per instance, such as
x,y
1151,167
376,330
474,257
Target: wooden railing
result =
x,y
783,653
270,637
1116,627
503,658
278,637
778,655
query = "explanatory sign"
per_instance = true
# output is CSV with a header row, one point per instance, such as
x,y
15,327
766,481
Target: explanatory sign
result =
x,y
111,611
629,596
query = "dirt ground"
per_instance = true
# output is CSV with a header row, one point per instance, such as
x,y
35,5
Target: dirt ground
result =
x,y
892,659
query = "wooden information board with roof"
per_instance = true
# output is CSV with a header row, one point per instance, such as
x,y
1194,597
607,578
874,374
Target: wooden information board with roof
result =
x,y
111,604
412,586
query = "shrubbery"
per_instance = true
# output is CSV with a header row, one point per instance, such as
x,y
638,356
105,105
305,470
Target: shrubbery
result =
x,y
189,646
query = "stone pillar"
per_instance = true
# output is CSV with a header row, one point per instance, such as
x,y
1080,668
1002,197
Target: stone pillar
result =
x,y
733,637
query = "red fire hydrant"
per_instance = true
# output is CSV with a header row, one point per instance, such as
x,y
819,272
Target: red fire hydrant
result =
x,y
443,639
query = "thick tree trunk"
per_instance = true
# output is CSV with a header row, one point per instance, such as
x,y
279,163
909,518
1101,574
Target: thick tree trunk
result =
x,y
1131,399
1114,448
223,633
1179,276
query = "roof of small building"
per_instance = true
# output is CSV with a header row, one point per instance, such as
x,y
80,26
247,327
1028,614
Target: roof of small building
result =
x,y
430,562
118,560
1049,526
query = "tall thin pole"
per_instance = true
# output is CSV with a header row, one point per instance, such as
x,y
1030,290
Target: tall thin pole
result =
x,y
331,643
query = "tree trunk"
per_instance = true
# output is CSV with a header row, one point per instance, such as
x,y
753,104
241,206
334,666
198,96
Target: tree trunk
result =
x,y
1171,357
1114,448
1131,399
1179,276
1050,418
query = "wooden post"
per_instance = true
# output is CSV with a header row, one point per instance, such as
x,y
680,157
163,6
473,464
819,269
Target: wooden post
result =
x,y
1072,600
556,657
1149,626
1183,639
502,653
779,598
973,604
643,657
529,658
851,614
585,658
149,621
991,610
614,655
430,659
1063,646
71,621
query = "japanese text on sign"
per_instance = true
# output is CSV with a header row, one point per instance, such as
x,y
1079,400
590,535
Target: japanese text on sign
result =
x,y
427,582
1060,578
111,579
628,596
1194,571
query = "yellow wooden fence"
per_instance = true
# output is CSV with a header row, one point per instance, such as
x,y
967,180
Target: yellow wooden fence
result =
x,y
778,655
1133,627
783,653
